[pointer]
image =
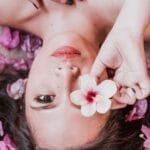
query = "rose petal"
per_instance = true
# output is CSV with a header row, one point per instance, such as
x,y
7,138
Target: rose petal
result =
x,y
103,105
77,98
1,129
88,110
16,89
87,82
138,110
107,88
146,131
3,146
147,144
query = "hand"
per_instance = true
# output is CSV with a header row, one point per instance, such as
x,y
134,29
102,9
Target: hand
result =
x,y
123,50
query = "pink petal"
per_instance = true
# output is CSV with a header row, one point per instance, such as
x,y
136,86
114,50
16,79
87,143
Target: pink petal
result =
x,y
147,144
3,146
77,98
15,39
1,129
9,39
103,105
88,110
16,89
5,37
9,142
107,88
87,82
138,111
146,131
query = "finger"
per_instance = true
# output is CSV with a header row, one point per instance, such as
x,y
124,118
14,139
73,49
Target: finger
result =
x,y
126,96
97,68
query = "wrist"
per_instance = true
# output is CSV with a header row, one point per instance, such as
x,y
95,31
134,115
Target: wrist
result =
x,y
134,16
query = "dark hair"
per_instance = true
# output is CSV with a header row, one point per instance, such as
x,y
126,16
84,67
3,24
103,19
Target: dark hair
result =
x,y
116,135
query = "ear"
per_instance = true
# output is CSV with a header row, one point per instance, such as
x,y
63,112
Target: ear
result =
x,y
117,105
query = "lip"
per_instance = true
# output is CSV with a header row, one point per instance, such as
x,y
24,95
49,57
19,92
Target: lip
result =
x,y
66,52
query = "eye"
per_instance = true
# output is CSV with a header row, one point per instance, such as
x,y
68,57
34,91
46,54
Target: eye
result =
x,y
45,99
70,2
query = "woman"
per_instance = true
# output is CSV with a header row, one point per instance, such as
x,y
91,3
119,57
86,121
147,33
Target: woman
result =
x,y
68,52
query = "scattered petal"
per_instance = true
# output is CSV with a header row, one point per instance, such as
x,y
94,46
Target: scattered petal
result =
x,y
9,39
16,90
138,111
1,129
146,130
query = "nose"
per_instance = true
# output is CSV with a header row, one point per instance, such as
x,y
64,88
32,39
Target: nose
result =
x,y
67,74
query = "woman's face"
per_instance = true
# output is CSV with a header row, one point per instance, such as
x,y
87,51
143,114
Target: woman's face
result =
x,y
64,57
53,119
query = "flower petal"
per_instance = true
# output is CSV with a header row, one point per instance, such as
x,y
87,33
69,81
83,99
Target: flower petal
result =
x,y
147,144
146,130
107,88
77,98
103,105
88,110
87,82
1,129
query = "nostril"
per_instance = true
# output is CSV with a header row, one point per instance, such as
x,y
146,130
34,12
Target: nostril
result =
x,y
67,70
74,69
59,68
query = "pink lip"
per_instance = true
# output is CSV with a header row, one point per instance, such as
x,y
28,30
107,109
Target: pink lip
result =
x,y
66,52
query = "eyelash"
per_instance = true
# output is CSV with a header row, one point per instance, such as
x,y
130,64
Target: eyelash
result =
x,y
45,99
36,3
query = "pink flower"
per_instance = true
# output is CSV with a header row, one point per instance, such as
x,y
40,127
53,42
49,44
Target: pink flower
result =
x,y
138,111
92,97
16,89
7,144
146,131
9,39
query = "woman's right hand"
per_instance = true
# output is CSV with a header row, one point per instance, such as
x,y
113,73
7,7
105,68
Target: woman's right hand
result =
x,y
123,50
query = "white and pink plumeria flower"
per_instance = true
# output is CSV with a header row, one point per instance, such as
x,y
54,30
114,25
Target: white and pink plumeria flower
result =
x,y
92,97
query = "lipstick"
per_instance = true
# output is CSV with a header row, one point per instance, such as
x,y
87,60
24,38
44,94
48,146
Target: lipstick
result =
x,y
66,52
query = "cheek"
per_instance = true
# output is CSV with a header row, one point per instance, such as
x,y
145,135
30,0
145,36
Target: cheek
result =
x,y
53,128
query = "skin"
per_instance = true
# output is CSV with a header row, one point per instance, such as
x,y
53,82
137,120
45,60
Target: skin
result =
x,y
84,30
61,121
